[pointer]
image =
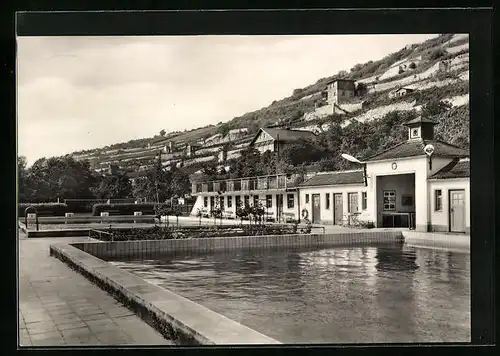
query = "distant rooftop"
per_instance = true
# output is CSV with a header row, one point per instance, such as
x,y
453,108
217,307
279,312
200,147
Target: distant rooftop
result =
x,y
285,135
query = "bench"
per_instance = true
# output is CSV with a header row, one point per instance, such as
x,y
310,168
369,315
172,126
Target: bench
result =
x,y
288,217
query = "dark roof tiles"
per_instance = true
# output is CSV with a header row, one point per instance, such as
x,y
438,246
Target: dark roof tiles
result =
x,y
455,169
334,178
416,148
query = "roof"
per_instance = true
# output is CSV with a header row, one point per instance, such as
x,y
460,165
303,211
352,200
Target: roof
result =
x,y
340,80
335,178
420,120
415,148
455,169
285,135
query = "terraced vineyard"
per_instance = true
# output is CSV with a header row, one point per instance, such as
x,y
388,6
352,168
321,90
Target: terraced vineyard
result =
x,y
437,68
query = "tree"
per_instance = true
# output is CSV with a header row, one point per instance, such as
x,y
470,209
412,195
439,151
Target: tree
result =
x,y
223,129
162,133
361,89
115,185
342,74
22,175
435,107
60,177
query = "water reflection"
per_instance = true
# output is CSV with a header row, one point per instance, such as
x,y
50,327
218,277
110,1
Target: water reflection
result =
x,y
396,259
345,294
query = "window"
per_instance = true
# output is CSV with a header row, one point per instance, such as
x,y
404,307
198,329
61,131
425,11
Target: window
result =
x,y
269,201
353,202
389,200
238,201
290,201
327,196
438,200
229,201
255,200
307,198
205,202
221,202
364,201
247,200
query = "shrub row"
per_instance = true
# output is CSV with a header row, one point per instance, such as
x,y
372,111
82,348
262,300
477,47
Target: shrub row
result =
x,y
123,209
44,209
165,233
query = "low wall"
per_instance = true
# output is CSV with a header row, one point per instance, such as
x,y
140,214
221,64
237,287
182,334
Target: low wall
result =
x,y
437,240
119,249
88,219
174,316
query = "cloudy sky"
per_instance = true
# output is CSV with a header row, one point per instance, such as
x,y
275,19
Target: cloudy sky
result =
x,y
86,92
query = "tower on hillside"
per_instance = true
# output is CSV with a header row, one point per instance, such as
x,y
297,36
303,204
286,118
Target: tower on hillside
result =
x,y
340,90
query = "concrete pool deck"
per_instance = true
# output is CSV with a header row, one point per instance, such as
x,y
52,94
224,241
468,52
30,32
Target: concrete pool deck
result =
x,y
59,306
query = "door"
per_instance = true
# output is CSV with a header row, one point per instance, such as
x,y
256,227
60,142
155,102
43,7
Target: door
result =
x,y
316,209
337,209
279,206
457,210
212,203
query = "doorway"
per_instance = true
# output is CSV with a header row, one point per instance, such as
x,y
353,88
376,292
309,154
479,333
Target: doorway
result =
x,y
316,209
337,208
457,210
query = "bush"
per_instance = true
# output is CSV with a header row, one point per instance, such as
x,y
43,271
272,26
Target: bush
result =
x,y
44,209
123,209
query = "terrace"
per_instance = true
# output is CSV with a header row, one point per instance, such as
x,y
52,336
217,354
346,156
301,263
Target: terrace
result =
x,y
246,184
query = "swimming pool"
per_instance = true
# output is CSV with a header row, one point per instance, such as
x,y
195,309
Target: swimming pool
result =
x,y
394,293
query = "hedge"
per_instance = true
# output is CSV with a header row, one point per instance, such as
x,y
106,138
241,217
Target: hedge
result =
x,y
166,233
44,209
123,209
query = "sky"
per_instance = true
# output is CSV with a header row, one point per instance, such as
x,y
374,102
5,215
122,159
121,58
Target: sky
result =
x,y
77,93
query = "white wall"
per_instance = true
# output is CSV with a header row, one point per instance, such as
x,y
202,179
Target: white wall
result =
x,y
327,214
440,219
417,165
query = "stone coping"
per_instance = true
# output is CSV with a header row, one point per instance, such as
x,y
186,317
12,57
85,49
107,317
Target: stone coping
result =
x,y
456,242
171,314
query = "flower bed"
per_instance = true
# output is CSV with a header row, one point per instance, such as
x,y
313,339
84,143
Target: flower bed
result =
x,y
162,233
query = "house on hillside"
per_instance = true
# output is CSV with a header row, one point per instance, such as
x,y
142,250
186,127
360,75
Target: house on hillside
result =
x,y
274,139
401,91
340,90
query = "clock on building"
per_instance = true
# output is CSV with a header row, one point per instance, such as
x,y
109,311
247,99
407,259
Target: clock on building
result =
x,y
415,132
394,166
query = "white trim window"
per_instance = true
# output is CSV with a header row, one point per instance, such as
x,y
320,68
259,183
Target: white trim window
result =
x,y
389,200
438,200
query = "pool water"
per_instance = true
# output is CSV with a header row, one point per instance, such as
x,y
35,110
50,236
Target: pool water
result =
x,y
390,294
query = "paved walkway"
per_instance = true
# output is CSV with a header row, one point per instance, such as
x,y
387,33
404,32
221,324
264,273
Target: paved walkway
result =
x,y
58,306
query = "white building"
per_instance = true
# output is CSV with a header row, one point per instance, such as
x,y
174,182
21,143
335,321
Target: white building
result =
x,y
422,184
403,187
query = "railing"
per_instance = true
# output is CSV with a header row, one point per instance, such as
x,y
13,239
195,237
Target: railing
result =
x,y
280,181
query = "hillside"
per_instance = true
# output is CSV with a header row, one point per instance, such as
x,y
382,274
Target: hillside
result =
x,y
436,69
